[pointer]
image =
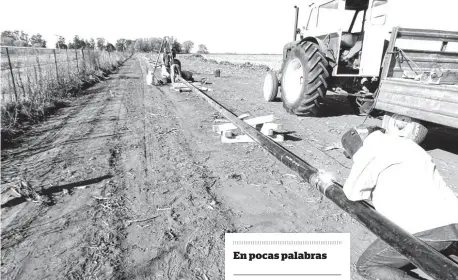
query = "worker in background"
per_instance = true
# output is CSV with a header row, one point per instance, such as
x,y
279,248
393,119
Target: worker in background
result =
x,y
165,68
168,59
402,182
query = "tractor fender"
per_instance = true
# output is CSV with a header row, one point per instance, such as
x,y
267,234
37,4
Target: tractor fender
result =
x,y
291,45
288,47
315,40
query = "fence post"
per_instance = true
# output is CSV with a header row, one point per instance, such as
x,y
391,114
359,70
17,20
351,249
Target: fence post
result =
x,y
84,61
55,61
68,64
77,66
40,79
98,59
12,75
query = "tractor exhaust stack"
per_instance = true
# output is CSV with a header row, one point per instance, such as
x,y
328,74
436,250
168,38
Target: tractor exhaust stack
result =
x,y
295,22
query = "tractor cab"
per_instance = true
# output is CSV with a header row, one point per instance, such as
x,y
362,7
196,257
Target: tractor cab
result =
x,y
352,32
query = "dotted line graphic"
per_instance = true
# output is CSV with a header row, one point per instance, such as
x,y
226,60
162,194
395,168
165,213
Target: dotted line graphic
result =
x,y
285,242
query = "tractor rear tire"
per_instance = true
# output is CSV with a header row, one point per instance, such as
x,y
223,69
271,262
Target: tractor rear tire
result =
x,y
270,88
304,79
405,127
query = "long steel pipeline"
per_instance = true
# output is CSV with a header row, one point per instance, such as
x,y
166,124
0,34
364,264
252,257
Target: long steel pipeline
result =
x,y
419,253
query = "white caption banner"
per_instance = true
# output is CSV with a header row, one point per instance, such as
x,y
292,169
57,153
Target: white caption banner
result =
x,y
287,256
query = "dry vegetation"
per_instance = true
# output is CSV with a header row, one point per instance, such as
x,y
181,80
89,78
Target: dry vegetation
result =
x,y
44,79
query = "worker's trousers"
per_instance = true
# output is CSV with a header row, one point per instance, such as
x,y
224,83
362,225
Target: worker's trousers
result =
x,y
380,261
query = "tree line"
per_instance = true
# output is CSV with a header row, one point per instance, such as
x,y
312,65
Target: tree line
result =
x,y
154,44
98,43
21,39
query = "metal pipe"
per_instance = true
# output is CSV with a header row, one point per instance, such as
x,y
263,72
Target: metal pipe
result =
x,y
416,251
295,22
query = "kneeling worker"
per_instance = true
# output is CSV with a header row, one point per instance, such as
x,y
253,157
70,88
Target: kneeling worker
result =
x,y
402,182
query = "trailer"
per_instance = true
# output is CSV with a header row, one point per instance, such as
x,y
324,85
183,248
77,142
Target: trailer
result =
x,y
418,87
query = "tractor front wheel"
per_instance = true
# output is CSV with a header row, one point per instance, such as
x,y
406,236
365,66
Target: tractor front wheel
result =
x,y
270,88
305,79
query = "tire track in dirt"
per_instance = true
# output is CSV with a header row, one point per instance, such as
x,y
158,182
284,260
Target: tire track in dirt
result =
x,y
104,256
47,160
52,131
76,237
55,134
183,235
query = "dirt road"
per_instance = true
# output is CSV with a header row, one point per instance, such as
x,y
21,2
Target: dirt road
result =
x,y
141,188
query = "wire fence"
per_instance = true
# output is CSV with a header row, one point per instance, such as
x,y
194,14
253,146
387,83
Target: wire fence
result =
x,y
37,75
27,73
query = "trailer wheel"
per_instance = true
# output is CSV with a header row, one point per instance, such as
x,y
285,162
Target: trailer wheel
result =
x,y
305,79
404,126
270,88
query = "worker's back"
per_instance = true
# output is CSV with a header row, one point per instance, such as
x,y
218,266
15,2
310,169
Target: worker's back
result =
x,y
408,188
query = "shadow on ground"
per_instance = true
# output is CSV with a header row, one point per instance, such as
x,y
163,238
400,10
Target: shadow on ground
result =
x,y
443,138
333,106
336,105
289,137
56,189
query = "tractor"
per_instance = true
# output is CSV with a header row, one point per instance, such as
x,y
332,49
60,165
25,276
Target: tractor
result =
x,y
346,47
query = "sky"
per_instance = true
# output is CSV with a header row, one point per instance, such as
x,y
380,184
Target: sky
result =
x,y
240,26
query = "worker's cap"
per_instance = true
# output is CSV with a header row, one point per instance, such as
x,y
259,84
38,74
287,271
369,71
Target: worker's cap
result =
x,y
353,139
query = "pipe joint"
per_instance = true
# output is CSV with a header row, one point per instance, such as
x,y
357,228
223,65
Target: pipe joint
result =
x,y
321,180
